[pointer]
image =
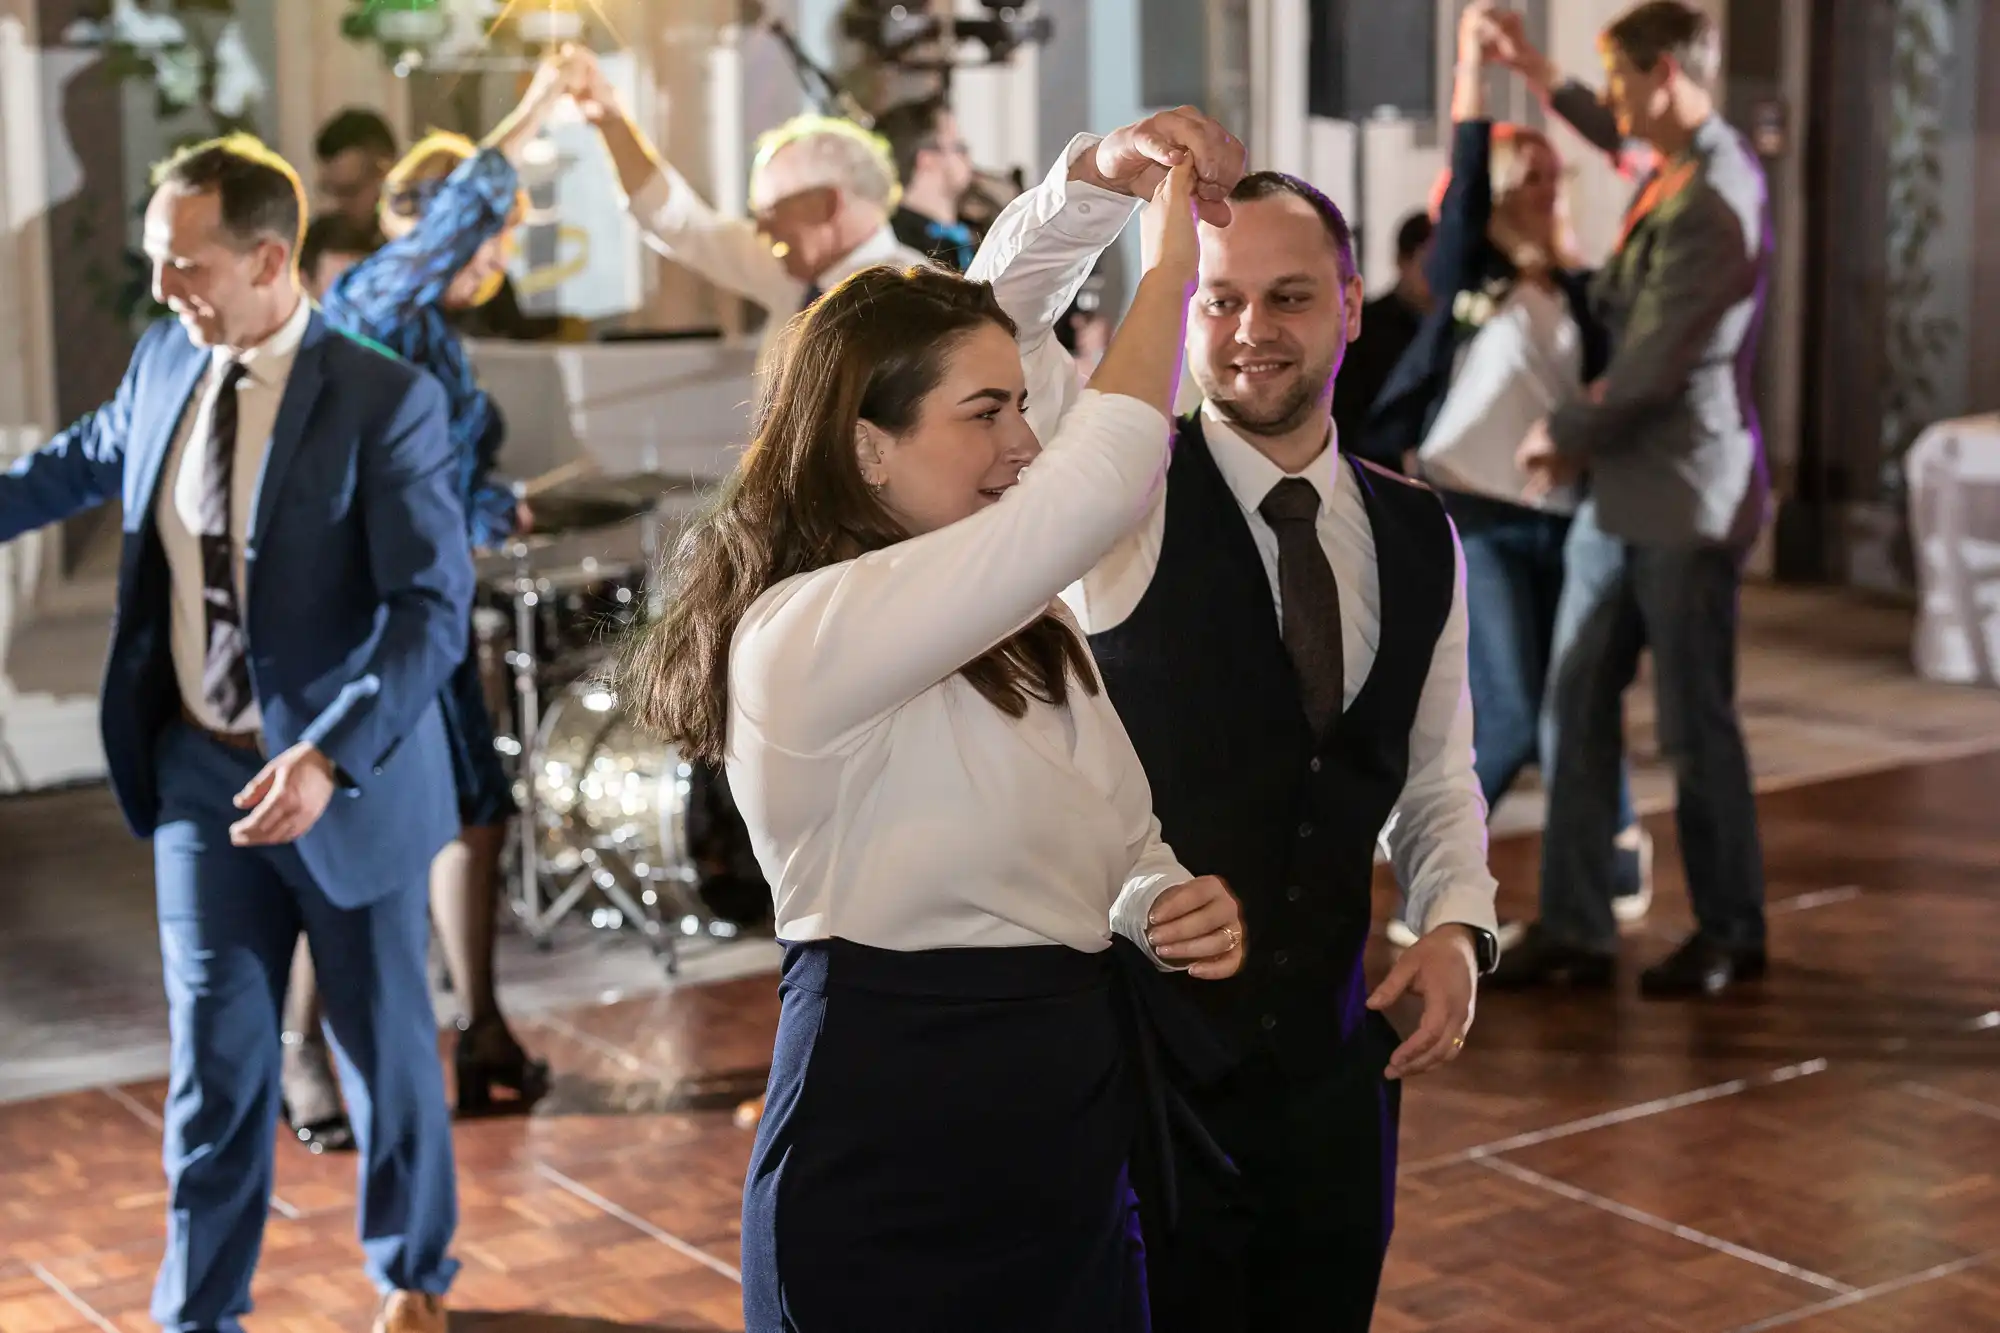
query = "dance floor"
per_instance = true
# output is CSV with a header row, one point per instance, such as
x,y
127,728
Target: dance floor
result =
x,y
1819,1153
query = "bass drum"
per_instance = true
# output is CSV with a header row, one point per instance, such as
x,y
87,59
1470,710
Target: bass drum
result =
x,y
603,784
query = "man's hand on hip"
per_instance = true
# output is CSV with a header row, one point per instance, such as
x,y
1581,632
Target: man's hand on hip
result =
x,y
285,799
1442,969
1135,158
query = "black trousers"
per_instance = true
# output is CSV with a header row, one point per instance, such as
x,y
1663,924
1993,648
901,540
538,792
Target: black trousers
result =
x,y
1296,1243
945,1146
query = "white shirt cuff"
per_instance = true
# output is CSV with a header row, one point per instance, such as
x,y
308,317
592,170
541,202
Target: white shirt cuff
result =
x,y
1135,903
1086,212
1463,904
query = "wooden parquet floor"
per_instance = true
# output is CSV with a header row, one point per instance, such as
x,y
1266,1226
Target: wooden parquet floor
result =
x,y
1821,1154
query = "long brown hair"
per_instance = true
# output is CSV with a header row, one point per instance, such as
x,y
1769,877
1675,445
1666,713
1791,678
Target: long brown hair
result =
x,y
870,350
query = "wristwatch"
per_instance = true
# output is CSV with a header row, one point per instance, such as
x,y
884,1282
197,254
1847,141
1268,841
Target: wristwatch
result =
x,y
1485,949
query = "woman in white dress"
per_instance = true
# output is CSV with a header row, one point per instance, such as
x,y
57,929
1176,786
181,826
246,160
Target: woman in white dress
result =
x,y
969,882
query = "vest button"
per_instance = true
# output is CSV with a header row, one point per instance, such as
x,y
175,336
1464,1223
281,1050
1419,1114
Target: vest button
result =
x,y
1314,765
1305,830
1267,1022
1280,958
1294,893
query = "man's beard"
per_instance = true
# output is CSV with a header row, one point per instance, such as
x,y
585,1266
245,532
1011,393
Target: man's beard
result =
x,y
1303,401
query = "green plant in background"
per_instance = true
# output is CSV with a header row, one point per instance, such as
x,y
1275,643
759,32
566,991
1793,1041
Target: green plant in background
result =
x,y
1917,337
195,58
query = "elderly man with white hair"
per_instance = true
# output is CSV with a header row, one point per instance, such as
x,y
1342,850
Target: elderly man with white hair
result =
x,y
821,195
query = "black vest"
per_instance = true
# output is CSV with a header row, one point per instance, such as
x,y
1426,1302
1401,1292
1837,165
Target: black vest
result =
x,y
1242,787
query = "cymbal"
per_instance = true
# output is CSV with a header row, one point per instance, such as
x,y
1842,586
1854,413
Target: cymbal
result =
x,y
557,513
597,501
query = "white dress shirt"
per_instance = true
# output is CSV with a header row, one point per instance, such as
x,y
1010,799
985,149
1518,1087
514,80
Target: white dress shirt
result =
x,y
267,368
889,803
1039,249
734,255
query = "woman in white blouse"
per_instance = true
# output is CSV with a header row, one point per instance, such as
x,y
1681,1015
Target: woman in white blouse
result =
x,y
958,835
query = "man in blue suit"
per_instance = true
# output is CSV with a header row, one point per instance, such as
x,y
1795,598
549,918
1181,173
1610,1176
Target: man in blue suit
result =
x,y
292,595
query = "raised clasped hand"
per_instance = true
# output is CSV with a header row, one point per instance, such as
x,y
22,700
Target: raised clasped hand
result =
x,y
1136,158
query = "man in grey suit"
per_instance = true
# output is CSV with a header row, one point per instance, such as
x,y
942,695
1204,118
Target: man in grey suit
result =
x,y
1670,447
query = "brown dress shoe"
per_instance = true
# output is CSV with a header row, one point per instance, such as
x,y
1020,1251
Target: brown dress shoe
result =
x,y
410,1312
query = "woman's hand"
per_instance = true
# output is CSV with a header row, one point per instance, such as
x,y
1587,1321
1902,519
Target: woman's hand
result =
x,y
1199,923
588,87
1169,240
1475,34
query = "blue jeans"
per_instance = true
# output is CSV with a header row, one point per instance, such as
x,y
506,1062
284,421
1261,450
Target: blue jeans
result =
x,y
1513,582
1618,598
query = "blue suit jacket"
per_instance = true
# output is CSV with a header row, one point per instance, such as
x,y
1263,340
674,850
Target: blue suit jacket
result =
x,y
358,597
1462,259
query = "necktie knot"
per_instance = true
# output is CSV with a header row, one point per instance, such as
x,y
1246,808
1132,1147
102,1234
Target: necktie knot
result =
x,y
233,372
1293,500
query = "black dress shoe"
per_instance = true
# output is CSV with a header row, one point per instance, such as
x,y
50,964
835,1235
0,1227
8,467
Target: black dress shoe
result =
x,y
488,1057
333,1134
310,1096
1539,960
1700,967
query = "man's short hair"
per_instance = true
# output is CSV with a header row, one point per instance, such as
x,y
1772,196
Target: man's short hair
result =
x,y
1270,184
1412,236
836,152
1669,28
336,234
260,195
910,127
355,127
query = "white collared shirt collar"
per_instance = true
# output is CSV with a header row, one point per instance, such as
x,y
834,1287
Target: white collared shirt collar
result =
x,y
880,248
270,361
1251,475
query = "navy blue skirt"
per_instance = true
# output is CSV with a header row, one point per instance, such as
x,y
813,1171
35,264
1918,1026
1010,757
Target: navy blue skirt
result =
x,y
952,1138
485,792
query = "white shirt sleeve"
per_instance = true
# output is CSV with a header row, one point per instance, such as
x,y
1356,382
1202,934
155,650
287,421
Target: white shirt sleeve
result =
x,y
681,225
1043,245
1437,837
825,657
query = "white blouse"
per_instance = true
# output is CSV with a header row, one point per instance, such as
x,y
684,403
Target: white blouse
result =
x,y
889,803
1524,363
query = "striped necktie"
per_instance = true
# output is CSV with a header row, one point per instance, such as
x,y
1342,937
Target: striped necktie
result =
x,y
225,675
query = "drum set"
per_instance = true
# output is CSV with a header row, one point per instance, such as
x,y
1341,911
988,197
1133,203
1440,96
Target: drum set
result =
x,y
603,824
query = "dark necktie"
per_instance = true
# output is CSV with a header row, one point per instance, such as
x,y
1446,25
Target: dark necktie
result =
x,y
225,674
812,293
1310,599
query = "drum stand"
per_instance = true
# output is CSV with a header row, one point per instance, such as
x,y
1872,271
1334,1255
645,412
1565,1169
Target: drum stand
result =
x,y
606,871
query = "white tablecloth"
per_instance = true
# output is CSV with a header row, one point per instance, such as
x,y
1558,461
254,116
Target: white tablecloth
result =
x,y
1953,472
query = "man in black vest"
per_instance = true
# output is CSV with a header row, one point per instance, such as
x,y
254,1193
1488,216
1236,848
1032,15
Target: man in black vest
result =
x,y
1284,637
